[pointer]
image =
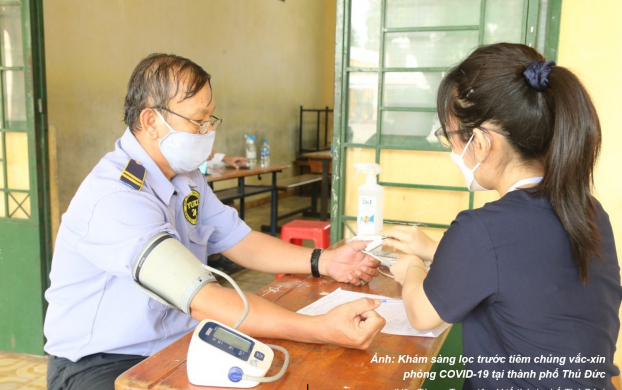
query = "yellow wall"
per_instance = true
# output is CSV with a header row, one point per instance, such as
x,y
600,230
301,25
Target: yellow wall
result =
x,y
266,59
588,45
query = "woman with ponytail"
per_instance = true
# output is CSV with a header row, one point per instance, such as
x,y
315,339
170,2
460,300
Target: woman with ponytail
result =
x,y
534,274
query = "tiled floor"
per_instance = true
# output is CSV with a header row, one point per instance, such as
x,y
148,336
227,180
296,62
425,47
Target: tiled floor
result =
x,y
252,281
21,372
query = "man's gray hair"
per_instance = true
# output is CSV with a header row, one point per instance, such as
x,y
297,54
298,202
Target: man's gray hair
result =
x,y
156,80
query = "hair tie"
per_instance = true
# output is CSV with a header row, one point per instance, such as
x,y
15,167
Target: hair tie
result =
x,y
537,75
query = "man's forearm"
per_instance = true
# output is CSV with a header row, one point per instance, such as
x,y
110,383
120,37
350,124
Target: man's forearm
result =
x,y
265,319
265,253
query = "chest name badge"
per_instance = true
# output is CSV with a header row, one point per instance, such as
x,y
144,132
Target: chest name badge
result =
x,y
191,207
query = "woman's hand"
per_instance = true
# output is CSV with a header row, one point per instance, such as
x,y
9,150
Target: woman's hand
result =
x,y
402,265
410,240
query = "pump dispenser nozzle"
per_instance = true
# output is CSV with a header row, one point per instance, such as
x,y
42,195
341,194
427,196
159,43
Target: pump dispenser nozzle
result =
x,y
370,169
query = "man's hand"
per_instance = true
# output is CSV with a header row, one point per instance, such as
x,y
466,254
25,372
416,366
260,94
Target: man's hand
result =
x,y
353,325
348,264
235,161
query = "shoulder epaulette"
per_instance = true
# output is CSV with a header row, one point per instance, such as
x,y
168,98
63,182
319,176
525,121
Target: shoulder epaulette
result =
x,y
133,175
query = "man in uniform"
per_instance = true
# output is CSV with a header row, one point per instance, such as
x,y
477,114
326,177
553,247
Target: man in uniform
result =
x,y
99,323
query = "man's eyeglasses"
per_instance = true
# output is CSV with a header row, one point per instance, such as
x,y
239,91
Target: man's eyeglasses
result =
x,y
445,140
204,127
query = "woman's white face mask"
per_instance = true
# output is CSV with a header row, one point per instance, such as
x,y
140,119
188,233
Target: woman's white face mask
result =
x,y
185,152
469,174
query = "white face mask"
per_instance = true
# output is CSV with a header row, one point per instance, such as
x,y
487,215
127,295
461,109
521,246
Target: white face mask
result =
x,y
469,174
185,152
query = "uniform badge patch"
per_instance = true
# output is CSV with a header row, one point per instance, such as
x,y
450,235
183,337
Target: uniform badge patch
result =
x,y
191,207
133,175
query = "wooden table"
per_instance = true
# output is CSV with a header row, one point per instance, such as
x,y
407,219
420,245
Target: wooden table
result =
x,y
242,190
313,365
326,157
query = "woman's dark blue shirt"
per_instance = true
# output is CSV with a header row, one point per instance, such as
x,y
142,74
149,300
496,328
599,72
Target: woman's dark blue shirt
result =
x,y
507,273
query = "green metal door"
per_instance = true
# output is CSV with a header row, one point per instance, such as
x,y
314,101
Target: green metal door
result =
x,y
24,205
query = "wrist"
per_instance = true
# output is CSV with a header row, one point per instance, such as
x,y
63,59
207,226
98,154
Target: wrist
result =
x,y
417,267
415,272
430,249
324,261
319,332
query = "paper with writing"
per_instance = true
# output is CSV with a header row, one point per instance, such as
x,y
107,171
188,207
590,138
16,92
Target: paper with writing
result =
x,y
394,313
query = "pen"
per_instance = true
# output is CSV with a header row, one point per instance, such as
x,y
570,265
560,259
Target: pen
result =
x,y
391,301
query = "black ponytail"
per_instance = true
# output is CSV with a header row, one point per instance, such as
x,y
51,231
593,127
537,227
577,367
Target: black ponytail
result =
x,y
551,123
569,165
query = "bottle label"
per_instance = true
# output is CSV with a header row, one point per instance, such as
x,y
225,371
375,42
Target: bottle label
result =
x,y
251,154
366,210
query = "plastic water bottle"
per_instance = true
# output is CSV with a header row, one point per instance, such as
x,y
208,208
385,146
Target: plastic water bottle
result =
x,y
251,150
265,154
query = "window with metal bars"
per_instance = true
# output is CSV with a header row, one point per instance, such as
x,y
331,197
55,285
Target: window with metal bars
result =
x,y
391,57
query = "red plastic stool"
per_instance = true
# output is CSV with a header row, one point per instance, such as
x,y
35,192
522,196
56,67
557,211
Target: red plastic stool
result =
x,y
299,229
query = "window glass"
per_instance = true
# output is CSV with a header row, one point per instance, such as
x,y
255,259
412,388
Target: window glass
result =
x,y
427,168
426,13
544,4
428,48
17,161
362,107
409,123
11,36
421,205
503,22
14,96
365,33
411,89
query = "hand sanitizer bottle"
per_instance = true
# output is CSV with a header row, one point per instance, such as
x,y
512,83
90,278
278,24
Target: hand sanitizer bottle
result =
x,y
370,200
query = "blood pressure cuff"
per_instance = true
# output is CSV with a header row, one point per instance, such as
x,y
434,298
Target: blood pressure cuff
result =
x,y
169,273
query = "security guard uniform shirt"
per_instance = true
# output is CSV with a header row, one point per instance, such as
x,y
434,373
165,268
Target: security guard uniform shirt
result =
x,y
94,304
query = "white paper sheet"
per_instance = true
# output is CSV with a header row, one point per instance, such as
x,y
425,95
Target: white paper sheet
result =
x,y
394,312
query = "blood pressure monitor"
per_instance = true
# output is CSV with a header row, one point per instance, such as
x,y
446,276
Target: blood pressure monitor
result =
x,y
220,355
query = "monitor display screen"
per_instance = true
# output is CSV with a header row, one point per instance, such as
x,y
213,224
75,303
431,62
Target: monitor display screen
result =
x,y
232,339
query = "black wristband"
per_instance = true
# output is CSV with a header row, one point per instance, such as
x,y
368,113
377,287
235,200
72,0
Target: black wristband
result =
x,y
315,262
